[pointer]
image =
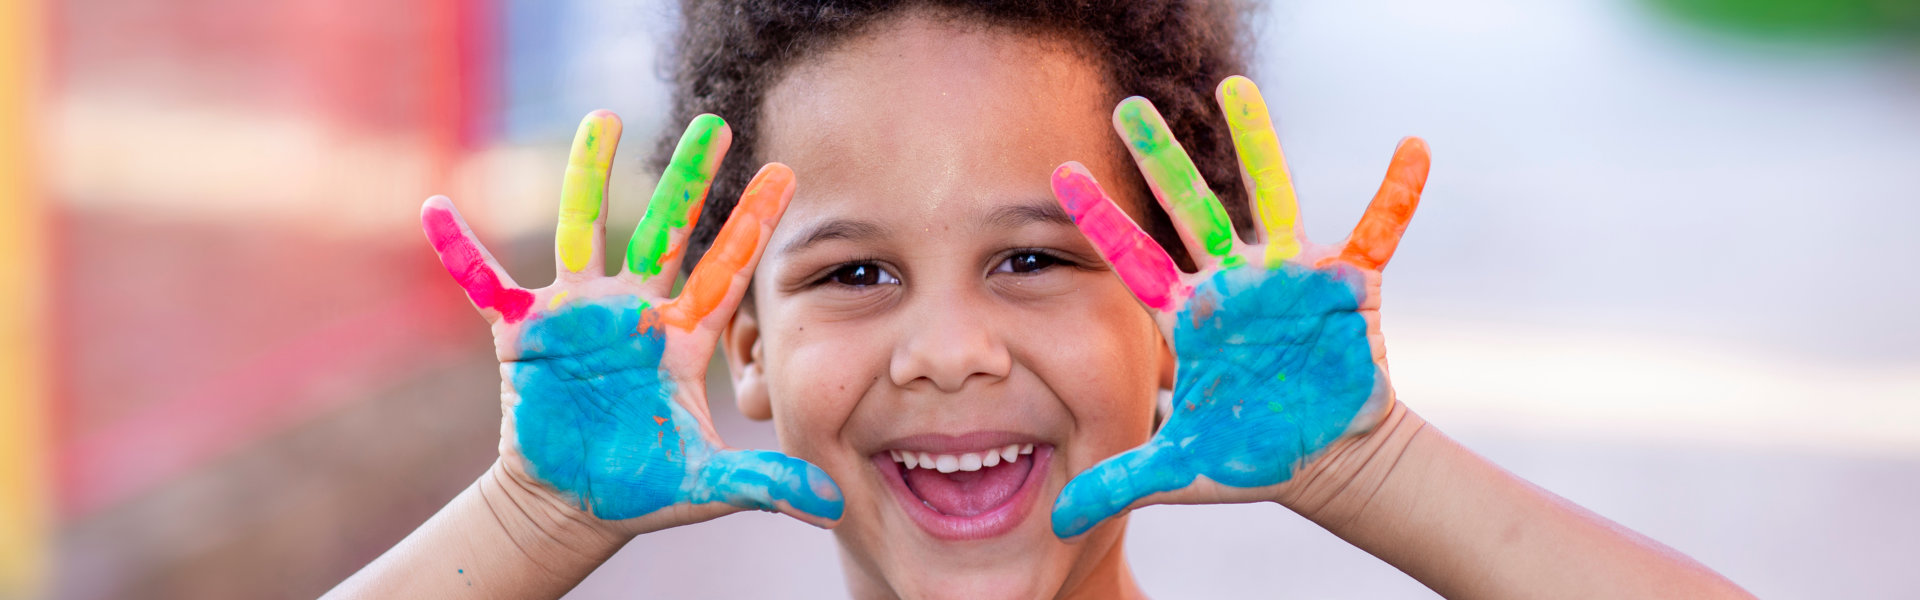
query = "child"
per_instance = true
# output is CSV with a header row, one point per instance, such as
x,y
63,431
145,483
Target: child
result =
x,y
960,334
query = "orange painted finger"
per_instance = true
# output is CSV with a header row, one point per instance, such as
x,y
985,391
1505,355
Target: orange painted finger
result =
x,y
721,277
1378,233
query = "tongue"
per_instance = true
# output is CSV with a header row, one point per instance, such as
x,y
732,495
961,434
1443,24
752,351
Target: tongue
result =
x,y
968,493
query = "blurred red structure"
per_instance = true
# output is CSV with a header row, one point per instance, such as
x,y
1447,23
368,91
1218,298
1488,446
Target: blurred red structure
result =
x,y
183,332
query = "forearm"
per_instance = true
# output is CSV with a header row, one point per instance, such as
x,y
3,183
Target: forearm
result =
x,y
1468,529
494,540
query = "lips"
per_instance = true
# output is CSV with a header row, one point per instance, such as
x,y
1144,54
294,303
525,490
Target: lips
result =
x,y
958,493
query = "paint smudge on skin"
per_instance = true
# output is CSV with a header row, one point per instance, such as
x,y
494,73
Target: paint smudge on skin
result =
x,y
1255,323
584,190
1171,174
1260,158
1141,263
557,300
677,198
597,421
468,265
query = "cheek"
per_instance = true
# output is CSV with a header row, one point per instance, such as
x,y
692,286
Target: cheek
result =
x,y
815,379
1102,358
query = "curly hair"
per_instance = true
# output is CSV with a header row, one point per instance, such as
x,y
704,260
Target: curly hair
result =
x,y
730,53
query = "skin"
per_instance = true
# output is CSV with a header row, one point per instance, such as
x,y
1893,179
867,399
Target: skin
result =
x,y
955,128
965,141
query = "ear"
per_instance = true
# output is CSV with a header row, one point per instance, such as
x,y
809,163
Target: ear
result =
x,y
741,344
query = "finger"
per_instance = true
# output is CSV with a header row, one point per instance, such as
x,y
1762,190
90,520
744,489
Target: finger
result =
x,y
1099,493
722,275
578,239
768,480
1379,230
487,285
661,236
1203,224
1141,263
1275,206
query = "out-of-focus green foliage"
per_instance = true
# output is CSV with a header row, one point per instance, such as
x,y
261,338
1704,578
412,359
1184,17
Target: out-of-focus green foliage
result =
x,y
1804,19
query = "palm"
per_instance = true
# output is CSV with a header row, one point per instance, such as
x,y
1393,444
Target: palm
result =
x,y
1278,345
602,396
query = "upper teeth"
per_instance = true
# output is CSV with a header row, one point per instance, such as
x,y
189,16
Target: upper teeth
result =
x,y
971,461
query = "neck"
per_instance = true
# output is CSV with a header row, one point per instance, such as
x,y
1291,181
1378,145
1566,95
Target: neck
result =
x,y
1110,577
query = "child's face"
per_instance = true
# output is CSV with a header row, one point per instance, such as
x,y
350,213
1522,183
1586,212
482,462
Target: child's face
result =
x,y
925,293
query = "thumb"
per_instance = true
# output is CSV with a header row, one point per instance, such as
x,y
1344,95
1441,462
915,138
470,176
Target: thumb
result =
x,y
1099,493
771,481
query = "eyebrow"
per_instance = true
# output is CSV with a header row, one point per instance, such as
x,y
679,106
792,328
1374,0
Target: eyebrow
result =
x,y
1042,212
833,229
1045,212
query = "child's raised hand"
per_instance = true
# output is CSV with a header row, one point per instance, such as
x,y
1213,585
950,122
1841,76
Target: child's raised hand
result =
x,y
603,398
1278,342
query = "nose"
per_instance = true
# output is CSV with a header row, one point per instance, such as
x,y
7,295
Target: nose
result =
x,y
951,338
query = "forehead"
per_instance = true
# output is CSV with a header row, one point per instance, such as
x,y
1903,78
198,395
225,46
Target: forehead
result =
x,y
947,113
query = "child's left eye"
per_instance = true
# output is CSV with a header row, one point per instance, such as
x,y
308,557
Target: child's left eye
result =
x,y
1028,262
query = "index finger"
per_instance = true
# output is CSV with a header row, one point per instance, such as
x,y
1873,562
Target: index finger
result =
x,y
721,277
1142,264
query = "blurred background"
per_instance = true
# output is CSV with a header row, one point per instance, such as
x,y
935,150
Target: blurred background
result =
x,y
1665,268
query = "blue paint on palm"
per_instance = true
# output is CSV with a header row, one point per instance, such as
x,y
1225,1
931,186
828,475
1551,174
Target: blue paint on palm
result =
x,y
1274,366
597,421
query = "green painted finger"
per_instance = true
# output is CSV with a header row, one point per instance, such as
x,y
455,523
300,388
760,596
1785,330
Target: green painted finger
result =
x,y
584,191
675,208
1260,158
1171,174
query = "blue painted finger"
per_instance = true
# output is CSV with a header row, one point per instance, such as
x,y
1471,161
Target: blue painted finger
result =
x,y
758,479
1099,493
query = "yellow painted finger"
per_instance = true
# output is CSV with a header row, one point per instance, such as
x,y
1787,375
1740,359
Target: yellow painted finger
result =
x,y
583,194
1274,202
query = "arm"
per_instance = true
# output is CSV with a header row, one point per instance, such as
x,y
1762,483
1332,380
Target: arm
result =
x,y
1282,391
604,430
497,539
1464,527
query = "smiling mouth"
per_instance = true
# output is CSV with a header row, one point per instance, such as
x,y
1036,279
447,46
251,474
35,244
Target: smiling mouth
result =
x,y
966,495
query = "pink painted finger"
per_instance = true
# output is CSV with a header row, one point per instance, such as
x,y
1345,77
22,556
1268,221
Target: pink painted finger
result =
x,y
1141,263
487,285
1380,228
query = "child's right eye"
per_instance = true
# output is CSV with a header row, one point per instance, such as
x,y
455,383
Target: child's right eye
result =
x,y
861,275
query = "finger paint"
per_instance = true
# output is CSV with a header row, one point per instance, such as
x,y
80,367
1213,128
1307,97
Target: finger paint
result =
x,y
1171,174
1141,263
557,300
584,190
596,420
734,248
1378,233
468,265
1248,341
1260,158
677,198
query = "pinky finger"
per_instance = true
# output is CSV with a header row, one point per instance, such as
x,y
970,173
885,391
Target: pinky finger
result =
x,y
1379,230
487,285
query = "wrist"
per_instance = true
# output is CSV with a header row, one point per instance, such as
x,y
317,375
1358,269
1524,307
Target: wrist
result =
x,y
1335,489
548,530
